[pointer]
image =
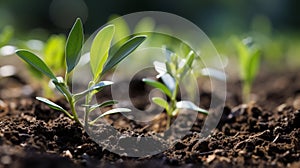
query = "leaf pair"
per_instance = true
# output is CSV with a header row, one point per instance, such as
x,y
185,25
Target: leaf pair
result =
x,y
101,61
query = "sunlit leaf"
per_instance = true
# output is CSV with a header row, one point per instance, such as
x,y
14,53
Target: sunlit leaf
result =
x,y
99,50
96,87
254,65
161,102
191,106
127,48
53,105
158,85
74,45
54,53
112,111
36,62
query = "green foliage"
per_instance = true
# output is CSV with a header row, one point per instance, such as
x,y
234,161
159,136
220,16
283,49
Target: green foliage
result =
x,y
172,73
249,61
6,35
74,45
99,50
99,54
54,51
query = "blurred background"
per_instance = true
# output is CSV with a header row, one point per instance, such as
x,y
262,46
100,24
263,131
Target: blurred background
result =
x,y
216,18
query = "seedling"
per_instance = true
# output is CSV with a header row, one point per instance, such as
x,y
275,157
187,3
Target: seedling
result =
x,y
172,73
249,60
101,61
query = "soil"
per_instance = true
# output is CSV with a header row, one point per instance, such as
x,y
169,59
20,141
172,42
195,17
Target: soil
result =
x,y
264,133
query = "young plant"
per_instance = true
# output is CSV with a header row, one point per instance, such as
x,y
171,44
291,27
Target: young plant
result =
x,y
172,73
101,61
249,60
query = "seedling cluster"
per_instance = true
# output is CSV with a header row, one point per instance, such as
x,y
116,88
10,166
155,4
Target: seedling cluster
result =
x,y
172,73
101,61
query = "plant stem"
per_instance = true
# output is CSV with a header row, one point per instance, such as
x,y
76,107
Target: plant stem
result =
x,y
172,104
68,95
246,92
73,110
87,102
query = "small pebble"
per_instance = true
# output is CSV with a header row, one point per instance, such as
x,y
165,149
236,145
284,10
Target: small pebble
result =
x,y
68,154
6,160
296,103
3,108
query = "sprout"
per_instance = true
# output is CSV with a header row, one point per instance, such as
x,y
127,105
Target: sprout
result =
x,y
101,61
172,73
249,60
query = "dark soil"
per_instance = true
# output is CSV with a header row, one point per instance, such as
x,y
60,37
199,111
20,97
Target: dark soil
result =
x,y
261,134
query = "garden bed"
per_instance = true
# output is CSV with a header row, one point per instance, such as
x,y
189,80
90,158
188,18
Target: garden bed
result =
x,y
261,134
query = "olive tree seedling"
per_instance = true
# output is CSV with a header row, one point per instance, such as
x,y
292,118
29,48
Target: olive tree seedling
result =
x,y
172,73
101,61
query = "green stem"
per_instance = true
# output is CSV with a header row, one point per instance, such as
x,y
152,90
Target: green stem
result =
x,y
246,92
87,102
172,106
73,110
71,101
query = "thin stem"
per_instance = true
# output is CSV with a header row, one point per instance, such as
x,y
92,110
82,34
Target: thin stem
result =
x,y
87,102
71,101
73,110
246,92
172,106
68,114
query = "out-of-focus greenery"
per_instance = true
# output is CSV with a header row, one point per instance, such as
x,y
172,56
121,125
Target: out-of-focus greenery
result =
x,y
6,35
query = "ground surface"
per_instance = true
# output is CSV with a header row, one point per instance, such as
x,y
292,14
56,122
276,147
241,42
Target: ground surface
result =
x,y
261,134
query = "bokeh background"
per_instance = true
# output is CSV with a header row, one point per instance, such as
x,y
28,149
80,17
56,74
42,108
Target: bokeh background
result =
x,y
216,18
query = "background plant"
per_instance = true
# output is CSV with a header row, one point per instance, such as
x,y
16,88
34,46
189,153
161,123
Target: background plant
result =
x,y
249,61
101,61
172,73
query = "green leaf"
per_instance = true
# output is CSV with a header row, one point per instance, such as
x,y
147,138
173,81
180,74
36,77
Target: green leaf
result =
x,y
127,48
6,35
96,87
243,55
99,50
191,106
36,62
74,45
161,102
112,111
253,65
53,105
158,85
187,63
54,53
103,104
